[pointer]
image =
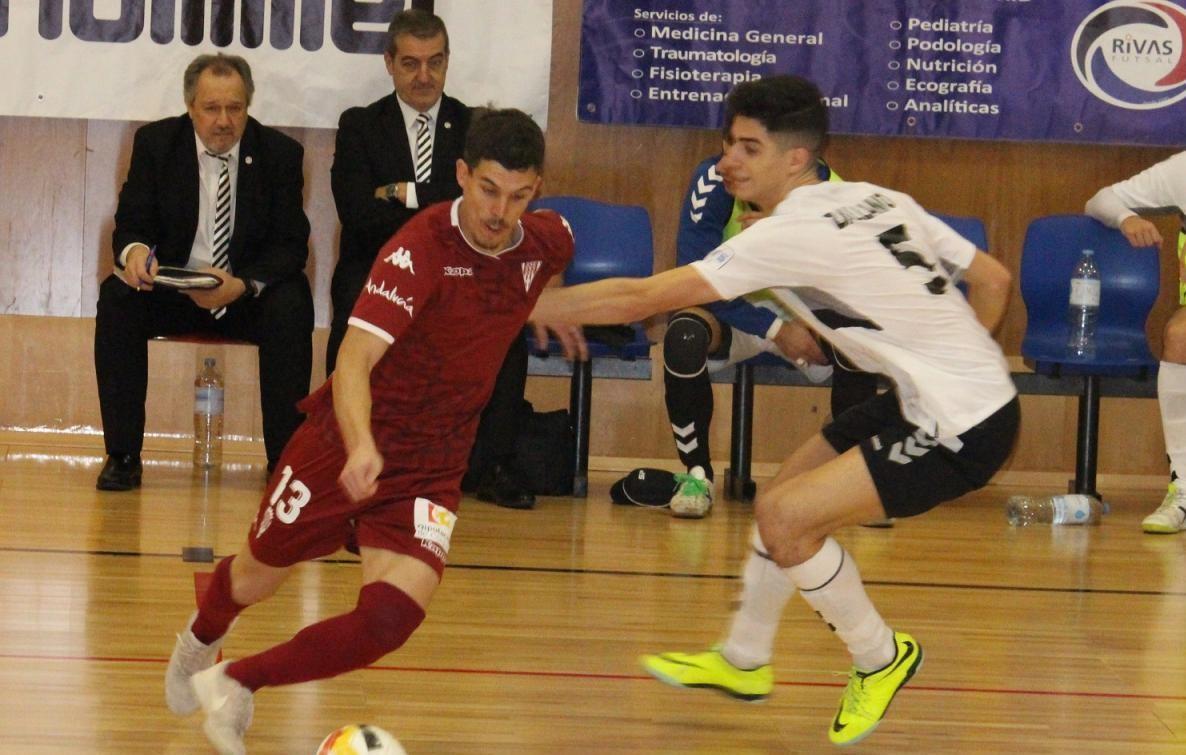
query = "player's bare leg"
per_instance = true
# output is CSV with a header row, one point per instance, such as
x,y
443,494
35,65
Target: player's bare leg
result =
x,y
795,519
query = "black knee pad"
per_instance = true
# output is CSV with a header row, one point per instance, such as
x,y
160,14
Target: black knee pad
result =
x,y
685,346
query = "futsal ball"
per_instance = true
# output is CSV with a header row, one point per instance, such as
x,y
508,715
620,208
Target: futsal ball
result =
x,y
360,739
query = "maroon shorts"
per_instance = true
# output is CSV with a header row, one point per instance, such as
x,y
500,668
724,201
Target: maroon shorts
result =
x,y
305,514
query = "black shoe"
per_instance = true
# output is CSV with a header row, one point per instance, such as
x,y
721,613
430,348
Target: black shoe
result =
x,y
501,487
120,473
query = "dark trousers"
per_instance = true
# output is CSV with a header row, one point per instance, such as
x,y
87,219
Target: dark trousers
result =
x,y
502,419
279,322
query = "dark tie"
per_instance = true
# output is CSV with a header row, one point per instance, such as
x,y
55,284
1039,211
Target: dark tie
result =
x,y
220,242
423,149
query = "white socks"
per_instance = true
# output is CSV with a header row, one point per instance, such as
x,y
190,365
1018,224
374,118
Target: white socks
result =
x,y
765,590
831,584
1171,398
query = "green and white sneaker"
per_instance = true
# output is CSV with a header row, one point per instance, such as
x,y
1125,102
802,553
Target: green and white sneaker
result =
x,y
693,495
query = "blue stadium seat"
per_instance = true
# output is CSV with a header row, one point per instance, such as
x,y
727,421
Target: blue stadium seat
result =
x,y
1129,287
612,240
970,228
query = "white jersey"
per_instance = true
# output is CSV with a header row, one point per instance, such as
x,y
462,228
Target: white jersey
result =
x,y
874,254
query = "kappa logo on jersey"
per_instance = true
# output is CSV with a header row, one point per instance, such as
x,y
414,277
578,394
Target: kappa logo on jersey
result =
x,y
459,272
434,526
699,197
1133,54
391,295
401,259
529,271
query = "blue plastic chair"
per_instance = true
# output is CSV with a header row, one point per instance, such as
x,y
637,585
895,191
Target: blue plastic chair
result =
x,y
970,228
611,240
1130,283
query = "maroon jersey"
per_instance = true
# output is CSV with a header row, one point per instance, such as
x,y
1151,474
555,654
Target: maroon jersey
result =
x,y
450,313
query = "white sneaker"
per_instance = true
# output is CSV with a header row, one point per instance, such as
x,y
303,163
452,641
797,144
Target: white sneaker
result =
x,y
816,373
189,657
693,495
1170,516
228,706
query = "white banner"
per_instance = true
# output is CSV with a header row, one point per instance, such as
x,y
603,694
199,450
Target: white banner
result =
x,y
311,59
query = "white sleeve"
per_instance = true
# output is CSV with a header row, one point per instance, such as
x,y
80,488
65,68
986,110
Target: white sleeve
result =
x,y
759,257
1107,208
1158,188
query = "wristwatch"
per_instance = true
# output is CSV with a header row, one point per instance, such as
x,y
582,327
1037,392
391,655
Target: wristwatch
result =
x,y
250,289
391,192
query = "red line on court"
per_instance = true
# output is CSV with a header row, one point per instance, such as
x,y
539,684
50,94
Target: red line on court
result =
x,y
636,677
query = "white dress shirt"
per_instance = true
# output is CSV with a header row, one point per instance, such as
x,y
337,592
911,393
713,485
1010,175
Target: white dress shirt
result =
x,y
410,115
202,253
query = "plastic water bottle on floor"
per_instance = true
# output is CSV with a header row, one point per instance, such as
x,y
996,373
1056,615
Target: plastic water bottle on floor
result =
x,y
1084,309
1023,510
208,400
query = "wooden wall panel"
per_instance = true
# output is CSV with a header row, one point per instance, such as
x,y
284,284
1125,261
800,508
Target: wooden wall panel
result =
x,y
109,149
60,180
42,162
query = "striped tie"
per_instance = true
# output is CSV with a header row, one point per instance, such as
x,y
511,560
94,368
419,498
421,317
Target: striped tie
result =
x,y
220,242
423,148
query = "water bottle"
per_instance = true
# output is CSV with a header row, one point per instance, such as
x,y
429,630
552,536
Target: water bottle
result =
x,y
1084,306
1023,510
208,395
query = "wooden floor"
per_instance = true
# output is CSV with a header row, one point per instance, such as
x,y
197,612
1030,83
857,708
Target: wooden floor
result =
x,y
1041,639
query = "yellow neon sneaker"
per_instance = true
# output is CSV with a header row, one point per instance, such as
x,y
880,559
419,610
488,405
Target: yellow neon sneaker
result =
x,y
868,695
710,669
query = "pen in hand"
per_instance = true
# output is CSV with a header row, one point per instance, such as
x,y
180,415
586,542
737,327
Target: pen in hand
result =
x,y
148,262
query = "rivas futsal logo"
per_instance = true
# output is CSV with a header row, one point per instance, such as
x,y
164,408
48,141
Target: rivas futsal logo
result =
x,y
1130,54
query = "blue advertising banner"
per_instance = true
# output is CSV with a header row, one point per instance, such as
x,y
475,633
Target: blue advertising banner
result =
x,y
1048,70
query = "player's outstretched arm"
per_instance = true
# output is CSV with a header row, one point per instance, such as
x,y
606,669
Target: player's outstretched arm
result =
x,y
359,353
989,286
615,301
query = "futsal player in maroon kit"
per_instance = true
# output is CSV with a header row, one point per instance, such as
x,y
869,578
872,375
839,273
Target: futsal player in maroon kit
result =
x,y
380,456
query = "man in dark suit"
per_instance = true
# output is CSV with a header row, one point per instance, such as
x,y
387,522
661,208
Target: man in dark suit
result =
x,y
211,190
393,158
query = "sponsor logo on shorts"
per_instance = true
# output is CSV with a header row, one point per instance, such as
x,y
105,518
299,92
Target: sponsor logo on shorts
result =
x,y
434,526
401,259
904,452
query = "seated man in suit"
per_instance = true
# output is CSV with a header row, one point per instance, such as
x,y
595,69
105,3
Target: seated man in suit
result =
x,y
211,190
393,158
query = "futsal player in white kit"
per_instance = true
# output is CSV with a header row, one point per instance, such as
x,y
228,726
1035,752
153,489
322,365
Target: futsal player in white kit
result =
x,y
873,254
